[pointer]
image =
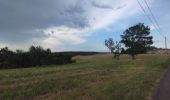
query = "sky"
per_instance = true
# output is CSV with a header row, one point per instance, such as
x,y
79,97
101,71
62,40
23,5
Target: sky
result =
x,y
76,25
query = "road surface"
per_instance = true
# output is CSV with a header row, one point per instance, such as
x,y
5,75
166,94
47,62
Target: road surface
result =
x,y
163,91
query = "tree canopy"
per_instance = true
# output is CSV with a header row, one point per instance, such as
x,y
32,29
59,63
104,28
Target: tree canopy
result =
x,y
137,39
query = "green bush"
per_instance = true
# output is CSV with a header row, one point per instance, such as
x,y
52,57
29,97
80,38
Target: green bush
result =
x,y
36,56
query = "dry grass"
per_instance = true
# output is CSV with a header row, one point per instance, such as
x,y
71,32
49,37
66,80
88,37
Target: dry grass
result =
x,y
97,77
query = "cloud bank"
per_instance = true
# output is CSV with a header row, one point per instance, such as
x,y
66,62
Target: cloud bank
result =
x,y
55,23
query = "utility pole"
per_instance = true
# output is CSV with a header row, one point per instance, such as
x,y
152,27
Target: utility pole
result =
x,y
165,43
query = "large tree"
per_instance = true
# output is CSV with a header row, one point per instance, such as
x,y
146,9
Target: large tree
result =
x,y
137,39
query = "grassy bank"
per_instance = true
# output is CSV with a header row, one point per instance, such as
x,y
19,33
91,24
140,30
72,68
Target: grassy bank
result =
x,y
97,77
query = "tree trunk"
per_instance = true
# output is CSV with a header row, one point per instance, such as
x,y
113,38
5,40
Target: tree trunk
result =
x,y
133,57
117,57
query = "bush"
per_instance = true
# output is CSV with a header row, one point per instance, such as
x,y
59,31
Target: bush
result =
x,y
36,56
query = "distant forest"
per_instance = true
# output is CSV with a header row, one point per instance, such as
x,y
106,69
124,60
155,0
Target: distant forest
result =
x,y
35,56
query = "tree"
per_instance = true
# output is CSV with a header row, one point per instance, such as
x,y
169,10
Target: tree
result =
x,y
35,56
114,47
136,39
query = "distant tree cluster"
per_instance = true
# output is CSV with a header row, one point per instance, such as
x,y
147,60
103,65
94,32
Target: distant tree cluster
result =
x,y
136,39
35,56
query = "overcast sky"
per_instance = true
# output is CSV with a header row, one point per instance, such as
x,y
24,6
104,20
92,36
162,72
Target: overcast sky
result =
x,y
75,25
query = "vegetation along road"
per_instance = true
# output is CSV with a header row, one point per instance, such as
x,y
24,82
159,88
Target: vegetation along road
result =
x,y
97,77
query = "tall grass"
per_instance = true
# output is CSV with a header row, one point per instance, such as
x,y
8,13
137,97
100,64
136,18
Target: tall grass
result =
x,y
97,77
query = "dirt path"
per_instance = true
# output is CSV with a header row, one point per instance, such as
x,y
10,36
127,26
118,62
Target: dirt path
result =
x,y
163,91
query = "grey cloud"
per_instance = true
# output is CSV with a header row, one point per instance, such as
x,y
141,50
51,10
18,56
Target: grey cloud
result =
x,y
75,9
19,36
37,13
100,5
121,6
19,18
106,6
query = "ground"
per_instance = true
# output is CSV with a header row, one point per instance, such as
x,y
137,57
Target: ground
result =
x,y
97,77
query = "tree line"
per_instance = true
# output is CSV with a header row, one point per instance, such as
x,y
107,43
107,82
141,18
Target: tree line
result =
x,y
134,40
35,56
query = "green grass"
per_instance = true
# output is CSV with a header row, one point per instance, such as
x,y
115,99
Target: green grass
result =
x,y
97,77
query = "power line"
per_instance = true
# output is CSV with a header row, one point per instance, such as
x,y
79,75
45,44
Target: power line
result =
x,y
153,16
146,13
158,26
152,21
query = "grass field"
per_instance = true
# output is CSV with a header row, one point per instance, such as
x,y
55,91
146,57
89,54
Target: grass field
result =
x,y
97,77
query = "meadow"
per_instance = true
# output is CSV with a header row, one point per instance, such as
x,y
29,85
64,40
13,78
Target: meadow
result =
x,y
96,77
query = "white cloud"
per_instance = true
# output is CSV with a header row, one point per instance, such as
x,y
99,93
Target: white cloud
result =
x,y
57,36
